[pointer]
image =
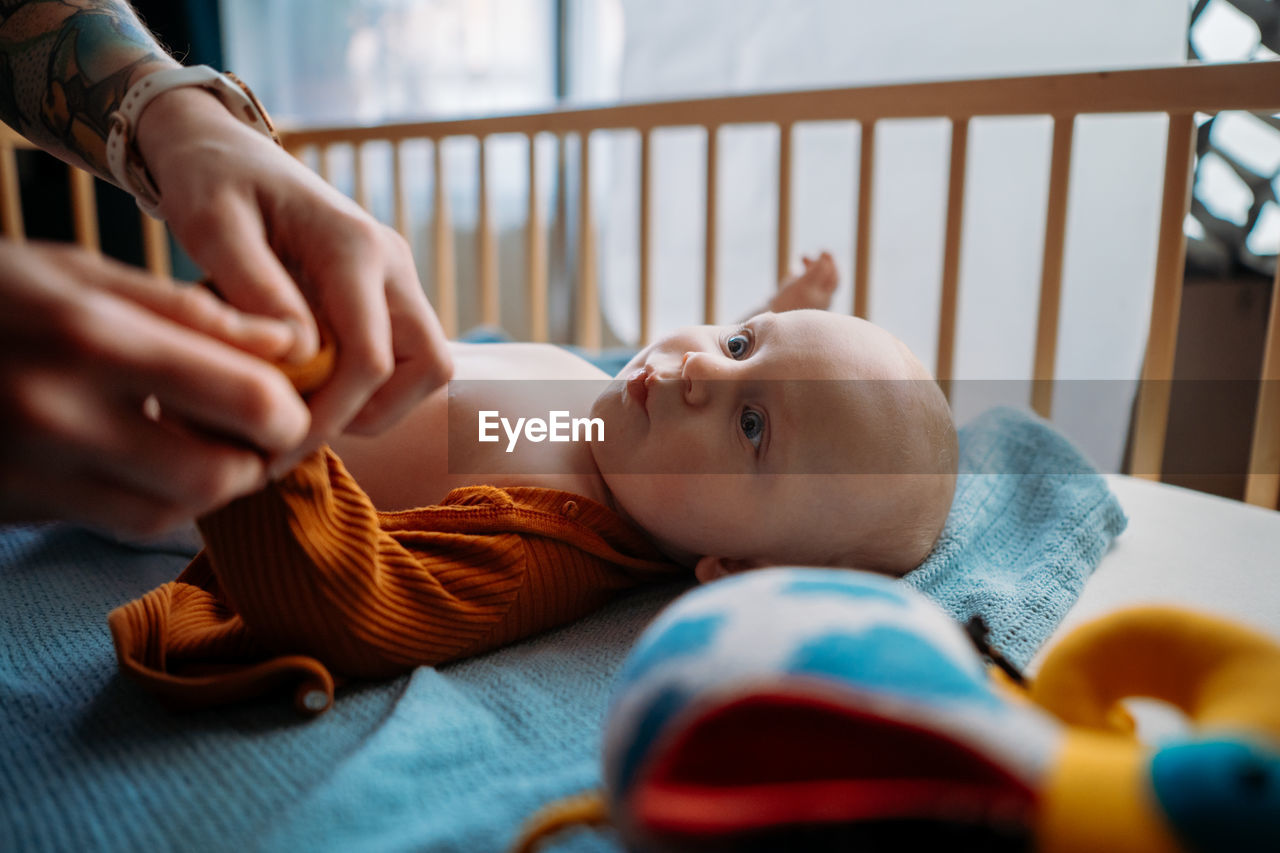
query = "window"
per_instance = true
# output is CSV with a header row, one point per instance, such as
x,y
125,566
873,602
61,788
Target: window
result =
x,y
371,61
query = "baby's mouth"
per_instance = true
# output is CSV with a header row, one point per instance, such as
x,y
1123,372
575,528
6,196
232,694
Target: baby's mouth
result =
x,y
637,387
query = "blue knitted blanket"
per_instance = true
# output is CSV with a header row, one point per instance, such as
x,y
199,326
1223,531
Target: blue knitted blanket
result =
x,y
451,759
1030,521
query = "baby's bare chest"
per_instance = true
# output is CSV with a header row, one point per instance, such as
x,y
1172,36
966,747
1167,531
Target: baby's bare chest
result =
x,y
513,415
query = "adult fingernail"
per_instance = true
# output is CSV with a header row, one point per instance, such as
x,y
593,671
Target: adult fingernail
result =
x,y
300,424
272,338
305,342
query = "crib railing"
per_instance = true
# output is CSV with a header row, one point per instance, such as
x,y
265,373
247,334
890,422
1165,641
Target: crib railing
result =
x,y
83,202
1178,92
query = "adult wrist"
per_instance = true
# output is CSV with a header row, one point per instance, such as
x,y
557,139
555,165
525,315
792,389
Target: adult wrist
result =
x,y
154,113
176,114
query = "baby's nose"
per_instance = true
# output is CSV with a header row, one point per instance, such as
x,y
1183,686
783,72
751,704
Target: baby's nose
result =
x,y
698,372
704,365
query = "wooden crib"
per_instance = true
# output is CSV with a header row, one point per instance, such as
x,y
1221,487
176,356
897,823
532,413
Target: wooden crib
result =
x,y
1179,92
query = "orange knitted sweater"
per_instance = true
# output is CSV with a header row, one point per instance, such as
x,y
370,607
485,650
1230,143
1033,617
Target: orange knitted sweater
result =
x,y
305,580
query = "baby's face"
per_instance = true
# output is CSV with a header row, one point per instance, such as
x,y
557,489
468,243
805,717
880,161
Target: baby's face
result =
x,y
769,440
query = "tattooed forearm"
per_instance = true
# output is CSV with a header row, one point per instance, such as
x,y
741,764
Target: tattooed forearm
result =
x,y
65,65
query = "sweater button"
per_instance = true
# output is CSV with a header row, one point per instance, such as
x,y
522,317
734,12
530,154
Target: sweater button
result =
x,y
570,509
311,699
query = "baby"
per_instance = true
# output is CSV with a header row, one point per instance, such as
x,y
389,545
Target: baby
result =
x,y
794,437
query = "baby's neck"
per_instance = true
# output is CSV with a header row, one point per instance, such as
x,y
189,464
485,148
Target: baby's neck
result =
x,y
670,551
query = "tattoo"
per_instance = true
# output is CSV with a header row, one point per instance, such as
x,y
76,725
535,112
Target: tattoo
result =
x,y
8,103
65,65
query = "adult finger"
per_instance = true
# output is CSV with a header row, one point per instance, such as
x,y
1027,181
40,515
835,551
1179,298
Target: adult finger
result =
x,y
204,382
99,460
187,304
355,308
92,501
159,458
229,242
423,361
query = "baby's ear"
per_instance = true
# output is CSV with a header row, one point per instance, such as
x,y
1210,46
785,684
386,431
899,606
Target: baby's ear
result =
x,y
714,568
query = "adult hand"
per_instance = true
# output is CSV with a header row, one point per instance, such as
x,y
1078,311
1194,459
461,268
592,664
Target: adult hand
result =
x,y
84,343
279,241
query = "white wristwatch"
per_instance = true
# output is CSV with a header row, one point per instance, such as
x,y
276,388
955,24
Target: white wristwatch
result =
x,y
123,157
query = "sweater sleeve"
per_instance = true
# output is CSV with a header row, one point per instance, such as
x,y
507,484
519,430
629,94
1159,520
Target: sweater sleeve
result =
x,y
307,565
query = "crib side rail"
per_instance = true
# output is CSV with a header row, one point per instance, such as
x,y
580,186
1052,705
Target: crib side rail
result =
x,y
83,201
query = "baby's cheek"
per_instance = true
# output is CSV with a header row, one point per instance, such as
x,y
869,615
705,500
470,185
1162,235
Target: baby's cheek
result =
x,y
689,447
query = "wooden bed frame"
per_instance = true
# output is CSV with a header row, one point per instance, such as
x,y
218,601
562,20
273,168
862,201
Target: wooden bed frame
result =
x,y
1179,92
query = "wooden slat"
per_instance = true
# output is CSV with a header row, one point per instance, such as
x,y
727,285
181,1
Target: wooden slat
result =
x,y
646,179
400,200
486,248
84,211
785,133
951,254
446,302
9,136
709,247
361,187
588,298
1055,235
535,256
155,246
862,252
1180,88
10,198
558,235
1262,486
1152,412
324,166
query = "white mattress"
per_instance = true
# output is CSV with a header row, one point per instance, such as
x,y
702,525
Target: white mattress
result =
x,y
1190,549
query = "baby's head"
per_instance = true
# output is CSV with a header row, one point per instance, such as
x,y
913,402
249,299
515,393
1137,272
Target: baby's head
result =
x,y
805,438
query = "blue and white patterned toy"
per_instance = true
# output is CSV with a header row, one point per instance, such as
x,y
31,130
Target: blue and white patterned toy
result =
x,y
831,708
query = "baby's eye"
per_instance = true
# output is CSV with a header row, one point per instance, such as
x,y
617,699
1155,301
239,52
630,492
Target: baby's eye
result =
x,y
738,345
752,423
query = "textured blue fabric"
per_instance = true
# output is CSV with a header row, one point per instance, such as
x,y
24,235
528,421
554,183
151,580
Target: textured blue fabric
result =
x,y
1030,520
453,759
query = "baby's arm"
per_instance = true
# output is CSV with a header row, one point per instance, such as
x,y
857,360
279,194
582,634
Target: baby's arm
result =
x,y
308,566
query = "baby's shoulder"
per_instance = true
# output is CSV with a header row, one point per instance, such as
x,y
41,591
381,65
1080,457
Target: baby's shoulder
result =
x,y
520,361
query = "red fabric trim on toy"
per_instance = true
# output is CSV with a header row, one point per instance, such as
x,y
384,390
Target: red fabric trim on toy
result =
x,y
775,758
